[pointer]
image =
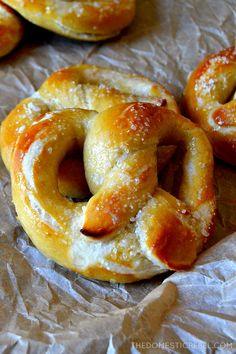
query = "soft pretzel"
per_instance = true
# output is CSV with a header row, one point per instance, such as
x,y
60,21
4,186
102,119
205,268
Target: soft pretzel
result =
x,y
210,101
85,20
81,86
130,229
11,30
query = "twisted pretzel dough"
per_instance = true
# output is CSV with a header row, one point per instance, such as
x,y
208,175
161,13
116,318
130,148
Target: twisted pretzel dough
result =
x,y
138,229
85,20
81,86
11,30
210,101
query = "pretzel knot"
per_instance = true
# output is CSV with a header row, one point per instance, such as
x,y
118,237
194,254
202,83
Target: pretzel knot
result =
x,y
210,100
130,228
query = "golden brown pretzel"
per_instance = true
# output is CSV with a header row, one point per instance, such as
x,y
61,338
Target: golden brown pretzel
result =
x,y
85,20
11,30
130,229
210,101
81,86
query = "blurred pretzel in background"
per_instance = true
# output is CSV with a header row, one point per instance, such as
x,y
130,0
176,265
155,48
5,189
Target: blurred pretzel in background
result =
x,y
130,228
11,30
81,86
84,20
210,101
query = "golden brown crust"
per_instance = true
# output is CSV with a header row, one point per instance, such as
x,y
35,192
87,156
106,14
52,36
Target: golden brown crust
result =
x,y
84,20
209,100
11,30
151,230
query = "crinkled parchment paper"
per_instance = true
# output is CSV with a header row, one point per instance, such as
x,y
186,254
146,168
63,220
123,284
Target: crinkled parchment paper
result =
x,y
47,309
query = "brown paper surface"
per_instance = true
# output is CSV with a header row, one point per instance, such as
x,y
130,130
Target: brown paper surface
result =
x,y
46,309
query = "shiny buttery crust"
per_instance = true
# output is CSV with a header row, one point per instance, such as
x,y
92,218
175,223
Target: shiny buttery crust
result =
x,y
81,86
84,20
11,30
210,101
130,229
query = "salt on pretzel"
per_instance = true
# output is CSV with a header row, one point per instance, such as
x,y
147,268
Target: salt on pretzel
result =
x,y
210,101
84,20
130,229
11,30
81,86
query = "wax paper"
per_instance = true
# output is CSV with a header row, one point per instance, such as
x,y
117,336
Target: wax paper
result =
x,y
45,308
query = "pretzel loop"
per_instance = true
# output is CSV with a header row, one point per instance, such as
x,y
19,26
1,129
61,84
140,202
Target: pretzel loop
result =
x,y
210,100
